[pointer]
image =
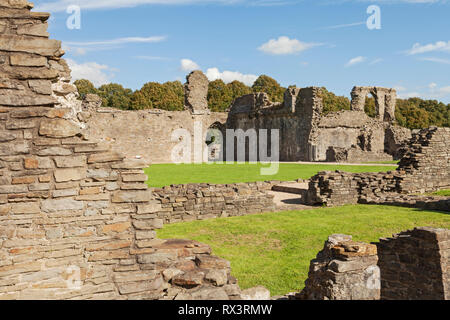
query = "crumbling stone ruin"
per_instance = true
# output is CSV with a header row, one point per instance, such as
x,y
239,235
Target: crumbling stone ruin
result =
x,y
343,270
412,265
77,220
306,134
425,167
196,92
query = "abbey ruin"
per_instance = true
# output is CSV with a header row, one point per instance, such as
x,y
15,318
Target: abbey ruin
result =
x,y
78,221
305,133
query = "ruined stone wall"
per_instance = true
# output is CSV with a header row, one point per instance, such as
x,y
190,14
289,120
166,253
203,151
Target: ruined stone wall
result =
x,y
415,265
308,135
76,220
425,167
343,270
426,162
256,112
207,201
412,265
147,134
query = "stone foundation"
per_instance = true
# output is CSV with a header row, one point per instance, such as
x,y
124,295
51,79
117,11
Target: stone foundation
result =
x,y
412,265
206,201
425,167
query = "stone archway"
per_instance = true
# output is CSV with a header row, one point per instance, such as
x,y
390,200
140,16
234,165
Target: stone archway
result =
x,y
385,100
215,141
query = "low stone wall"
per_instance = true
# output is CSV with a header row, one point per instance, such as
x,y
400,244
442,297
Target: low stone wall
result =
x,y
412,265
207,201
426,162
412,201
415,265
425,167
343,270
339,188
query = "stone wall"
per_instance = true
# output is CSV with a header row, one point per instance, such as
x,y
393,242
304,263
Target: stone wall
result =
x,y
76,220
412,265
343,270
147,134
425,167
207,201
415,265
306,134
426,161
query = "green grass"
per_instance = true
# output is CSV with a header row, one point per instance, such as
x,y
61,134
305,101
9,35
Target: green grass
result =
x,y
442,193
275,249
384,162
167,174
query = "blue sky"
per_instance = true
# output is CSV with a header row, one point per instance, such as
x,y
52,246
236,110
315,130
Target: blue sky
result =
x,y
306,43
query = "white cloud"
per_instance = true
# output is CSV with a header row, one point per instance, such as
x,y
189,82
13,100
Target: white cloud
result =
x,y
355,61
284,45
189,65
339,26
230,76
437,60
376,61
98,74
417,48
61,5
430,91
212,74
117,41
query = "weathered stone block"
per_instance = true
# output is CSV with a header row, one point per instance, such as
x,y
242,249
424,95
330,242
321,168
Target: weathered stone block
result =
x,y
52,205
105,157
41,46
26,60
131,196
64,175
58,128
70,162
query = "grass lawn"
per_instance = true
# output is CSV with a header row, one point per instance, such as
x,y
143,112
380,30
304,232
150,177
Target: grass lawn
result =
x,y
167,174
275,249
442,193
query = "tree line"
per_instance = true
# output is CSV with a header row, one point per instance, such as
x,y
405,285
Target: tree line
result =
x,y
413,113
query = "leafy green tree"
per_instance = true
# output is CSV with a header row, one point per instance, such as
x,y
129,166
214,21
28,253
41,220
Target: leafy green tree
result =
x,y
271,87
115,96
333,103
239,89
139,101
85,87
167,96
370,108
220,96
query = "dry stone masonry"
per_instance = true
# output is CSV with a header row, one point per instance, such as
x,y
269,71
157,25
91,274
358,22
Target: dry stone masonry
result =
x,y
425,167
206,201
412,265
76,219
343,270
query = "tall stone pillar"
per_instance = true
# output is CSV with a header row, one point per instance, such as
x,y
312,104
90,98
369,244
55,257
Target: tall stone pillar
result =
x,y
196,92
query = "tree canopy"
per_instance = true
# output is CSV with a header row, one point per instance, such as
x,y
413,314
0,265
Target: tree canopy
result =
x,y
270,86
413,113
